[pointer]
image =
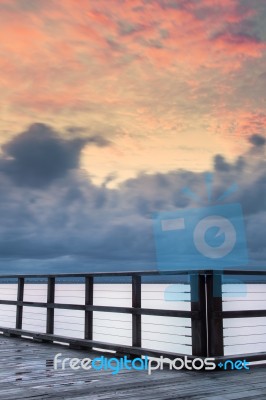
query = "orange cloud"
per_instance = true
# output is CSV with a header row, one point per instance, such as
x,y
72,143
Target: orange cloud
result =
x,y
135,67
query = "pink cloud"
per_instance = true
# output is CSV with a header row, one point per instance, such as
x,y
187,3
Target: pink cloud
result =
x,y
72,48
239,44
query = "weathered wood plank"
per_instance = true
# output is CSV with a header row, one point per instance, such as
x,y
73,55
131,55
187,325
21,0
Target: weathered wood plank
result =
x,y
26,372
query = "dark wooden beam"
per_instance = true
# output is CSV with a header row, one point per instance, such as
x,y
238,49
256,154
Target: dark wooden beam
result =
x,y
136,318
88,328
50,310
199,323
88,344
124,310
20,295
215,317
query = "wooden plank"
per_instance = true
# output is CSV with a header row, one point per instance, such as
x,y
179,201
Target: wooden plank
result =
x,y
243,314
122,349
102,274
27,372
125,310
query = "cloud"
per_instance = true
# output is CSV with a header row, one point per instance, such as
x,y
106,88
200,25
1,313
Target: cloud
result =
x,y
238,44
64,46
220,164
73,225
98,140
257,140
129,64
38,156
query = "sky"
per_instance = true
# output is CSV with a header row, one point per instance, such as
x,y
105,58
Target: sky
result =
x,y
109,108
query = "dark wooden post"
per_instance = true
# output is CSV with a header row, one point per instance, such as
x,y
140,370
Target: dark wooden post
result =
x,y
20,295
199,318
88,328
136,318
215,319
50,300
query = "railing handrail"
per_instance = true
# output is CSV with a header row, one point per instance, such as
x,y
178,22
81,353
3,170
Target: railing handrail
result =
x,y
141,273
104,273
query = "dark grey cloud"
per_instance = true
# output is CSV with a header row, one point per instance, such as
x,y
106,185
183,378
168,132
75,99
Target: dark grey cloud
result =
x,y
220,164
257,140
38,156
27,6
127,28
236,38
73,225
98,140
178,4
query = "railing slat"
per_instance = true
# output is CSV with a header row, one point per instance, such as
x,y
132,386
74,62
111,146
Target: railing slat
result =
x,y
50,300
198,324
136,318
20,295
88,328
215,315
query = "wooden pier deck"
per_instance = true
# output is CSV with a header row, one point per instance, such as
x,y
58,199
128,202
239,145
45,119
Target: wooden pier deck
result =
x,y
27,372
